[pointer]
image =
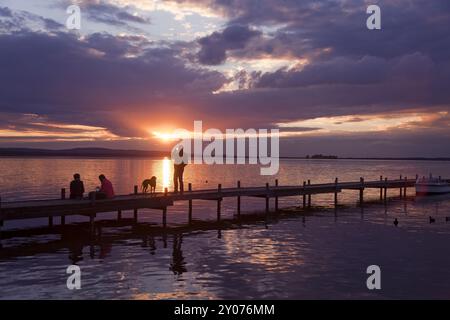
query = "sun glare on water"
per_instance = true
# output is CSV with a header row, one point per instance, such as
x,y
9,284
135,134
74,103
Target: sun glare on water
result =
x,y
166,171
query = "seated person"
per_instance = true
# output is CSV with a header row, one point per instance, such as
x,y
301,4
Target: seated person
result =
x,y
76,187
106,190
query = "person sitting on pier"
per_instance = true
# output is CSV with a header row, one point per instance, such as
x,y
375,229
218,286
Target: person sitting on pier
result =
x,y
106,190
76,187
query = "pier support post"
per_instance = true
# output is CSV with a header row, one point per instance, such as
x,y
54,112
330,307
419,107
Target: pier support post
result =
x,y
406,186
63,197
166,191
190,204
99,230
276,197
219,202
267,198
164,217
1,221
381,190
401,188
50,222
385,189
92,198
309,195
92,224
135,211
304,194
335,192
239,200
361,192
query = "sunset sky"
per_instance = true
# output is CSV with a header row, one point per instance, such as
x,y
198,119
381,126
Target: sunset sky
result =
x,y
139,69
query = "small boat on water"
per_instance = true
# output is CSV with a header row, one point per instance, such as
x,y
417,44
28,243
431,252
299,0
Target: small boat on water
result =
x,y
432,185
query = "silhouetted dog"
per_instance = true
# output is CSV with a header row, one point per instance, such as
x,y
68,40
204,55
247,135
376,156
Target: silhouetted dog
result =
x,y
149,182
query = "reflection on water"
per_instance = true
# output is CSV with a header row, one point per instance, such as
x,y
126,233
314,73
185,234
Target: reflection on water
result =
x,y
274,255
178,265
166,174
323,254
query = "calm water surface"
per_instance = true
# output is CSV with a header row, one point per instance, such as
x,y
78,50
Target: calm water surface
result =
x,y
321,254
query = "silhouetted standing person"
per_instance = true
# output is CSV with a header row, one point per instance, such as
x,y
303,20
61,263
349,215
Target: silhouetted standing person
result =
x,y
178,171
76,187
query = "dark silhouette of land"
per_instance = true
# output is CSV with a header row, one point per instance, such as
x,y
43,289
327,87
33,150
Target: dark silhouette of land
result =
x,y
118,153
321,156
81,152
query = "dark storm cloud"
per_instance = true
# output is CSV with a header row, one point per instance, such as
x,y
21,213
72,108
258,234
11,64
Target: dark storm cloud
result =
x,y
215,46
114,46
413,78
367,70
350,69
93,82
307,27
62,76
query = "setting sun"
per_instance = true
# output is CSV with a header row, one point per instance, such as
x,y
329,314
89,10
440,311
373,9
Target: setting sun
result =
x,y
166,137
170,136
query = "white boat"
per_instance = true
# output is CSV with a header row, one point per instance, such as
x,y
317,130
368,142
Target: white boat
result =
x,y
432,185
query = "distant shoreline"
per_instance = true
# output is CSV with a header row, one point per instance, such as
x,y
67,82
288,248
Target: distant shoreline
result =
x,y
82,152
372,158
115,153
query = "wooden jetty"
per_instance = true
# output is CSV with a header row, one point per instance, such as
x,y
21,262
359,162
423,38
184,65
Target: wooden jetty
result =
x,y
62,207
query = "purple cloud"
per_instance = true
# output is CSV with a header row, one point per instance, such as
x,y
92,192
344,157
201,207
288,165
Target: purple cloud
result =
x,y
215,46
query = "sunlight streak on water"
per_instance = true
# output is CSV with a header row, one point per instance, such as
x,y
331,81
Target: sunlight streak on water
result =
x,y
166,173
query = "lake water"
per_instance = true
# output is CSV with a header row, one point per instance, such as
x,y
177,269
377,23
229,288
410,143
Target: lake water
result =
x,y
318,254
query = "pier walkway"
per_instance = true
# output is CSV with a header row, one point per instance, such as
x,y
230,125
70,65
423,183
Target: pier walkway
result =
x,y
62,207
